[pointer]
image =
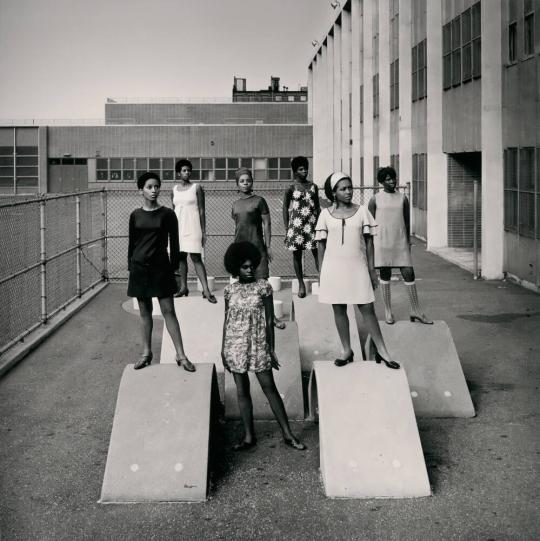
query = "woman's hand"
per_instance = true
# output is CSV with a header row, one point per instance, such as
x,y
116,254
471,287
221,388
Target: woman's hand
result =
x,y
374,278
269,254
274,360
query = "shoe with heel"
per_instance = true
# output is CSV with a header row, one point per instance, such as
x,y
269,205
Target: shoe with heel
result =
x,y
346,360
185,363
390,364
210,298
144,360
184,292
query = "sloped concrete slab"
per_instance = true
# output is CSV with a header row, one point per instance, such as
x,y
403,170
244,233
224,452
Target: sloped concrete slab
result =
x,y
317,331
369,441
428,353
159,444
288,381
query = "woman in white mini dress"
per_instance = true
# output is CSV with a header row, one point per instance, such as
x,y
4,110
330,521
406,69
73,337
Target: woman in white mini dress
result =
x,y
188,201
344,233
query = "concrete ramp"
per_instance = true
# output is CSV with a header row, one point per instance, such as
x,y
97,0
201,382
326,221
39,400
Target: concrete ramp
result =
x,y
160,438
369,442
288,381
201,324
317,331
428,353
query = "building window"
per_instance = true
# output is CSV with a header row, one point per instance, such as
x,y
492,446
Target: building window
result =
x,y
456,52
394,85
528,34
447,56
521,190
376,95
476,33
419,71
512,42
466,45
419,178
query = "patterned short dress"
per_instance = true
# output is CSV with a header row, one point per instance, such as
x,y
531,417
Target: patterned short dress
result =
x,y
302,218
244,344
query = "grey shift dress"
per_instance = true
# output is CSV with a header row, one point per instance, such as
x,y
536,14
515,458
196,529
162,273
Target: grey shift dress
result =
x,y
391,244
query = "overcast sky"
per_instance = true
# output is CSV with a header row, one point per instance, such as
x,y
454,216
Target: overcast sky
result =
x,y
63,58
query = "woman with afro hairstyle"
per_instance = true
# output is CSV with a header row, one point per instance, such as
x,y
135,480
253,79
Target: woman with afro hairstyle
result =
x,y
248,340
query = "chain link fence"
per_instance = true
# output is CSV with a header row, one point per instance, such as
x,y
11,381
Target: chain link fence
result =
x,y
53,250
219,227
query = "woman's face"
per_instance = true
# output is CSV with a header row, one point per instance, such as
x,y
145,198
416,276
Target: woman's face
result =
x,y
185,173
302,173
151,189
245,183
389,184
246,272
344,191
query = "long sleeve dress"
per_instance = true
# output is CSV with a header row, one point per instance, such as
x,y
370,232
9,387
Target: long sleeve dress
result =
x,y
151,269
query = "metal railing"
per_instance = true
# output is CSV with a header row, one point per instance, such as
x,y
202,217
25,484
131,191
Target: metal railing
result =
x,y
54,248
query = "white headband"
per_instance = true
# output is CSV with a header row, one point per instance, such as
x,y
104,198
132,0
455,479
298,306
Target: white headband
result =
x,y
336,177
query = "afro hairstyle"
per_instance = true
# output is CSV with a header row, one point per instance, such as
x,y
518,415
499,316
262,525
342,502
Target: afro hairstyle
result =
x,y
299,161
239,252
183,163
141,181
384,172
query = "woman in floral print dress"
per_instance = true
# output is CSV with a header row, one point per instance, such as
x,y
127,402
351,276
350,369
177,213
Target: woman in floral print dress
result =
x,y
301,209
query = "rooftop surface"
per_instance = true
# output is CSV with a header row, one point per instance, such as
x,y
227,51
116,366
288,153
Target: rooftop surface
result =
x,y
58,406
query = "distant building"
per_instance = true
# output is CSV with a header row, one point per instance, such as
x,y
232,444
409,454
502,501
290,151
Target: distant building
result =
x,y
136,137
272,93
448,93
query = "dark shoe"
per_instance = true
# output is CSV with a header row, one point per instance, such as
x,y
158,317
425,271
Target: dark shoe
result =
x,y
301,291
279,324
422,319
182,292
245,445
389,364
347,360
184,362
144,360
210,298
295,444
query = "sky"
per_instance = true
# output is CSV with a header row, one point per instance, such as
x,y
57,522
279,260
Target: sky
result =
x,y
61,59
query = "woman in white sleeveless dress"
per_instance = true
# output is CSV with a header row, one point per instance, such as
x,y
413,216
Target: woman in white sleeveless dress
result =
x,y
188,201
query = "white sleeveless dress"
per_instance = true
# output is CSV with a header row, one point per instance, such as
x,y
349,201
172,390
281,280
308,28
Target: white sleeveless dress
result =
x,y
186,209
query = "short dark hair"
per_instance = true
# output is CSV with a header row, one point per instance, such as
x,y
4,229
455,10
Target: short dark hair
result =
x,y
299,161
384,172
242,171
183,163
328,190
239,252
141,181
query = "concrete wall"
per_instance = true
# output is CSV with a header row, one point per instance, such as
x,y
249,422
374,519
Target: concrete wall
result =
x,y
206,113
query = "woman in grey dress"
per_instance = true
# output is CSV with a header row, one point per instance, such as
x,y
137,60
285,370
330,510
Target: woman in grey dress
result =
x,y
392,243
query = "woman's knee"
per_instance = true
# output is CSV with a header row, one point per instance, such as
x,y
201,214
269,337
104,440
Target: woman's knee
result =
x,y
385,273
196,258
408,274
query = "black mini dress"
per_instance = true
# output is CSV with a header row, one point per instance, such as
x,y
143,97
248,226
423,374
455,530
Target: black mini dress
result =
x,y
151,268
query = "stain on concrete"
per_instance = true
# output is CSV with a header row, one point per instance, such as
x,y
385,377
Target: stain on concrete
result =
x,y
497,318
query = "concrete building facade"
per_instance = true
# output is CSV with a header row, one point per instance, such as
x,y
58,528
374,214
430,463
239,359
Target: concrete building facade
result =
x,y
448,92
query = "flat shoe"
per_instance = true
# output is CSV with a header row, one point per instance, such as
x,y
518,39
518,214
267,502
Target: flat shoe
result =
x,y
210,298
186,364
245,445
295,444
343,362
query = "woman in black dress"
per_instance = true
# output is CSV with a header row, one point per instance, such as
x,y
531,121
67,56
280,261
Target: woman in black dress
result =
x,y
151,273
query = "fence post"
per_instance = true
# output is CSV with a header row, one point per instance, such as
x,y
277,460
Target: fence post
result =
x,y
43,261
104,260
475,229
78,241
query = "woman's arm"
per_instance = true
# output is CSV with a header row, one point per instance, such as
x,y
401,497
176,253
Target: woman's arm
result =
x,y
174,243
370,253
131,241
316,201
406,218
372,206
202,211
223,334
286,202
268,302
267,232
321,248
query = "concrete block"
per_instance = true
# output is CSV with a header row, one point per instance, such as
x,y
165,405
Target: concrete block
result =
x,y
160,438
428,354
369,441
201,325
317,331
288,381
278,309
275,282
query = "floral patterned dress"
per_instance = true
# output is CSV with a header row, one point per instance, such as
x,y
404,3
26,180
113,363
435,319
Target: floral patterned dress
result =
x,y
244,343
302,218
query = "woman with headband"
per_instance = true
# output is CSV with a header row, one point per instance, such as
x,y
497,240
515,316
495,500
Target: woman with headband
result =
x,y
344,234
